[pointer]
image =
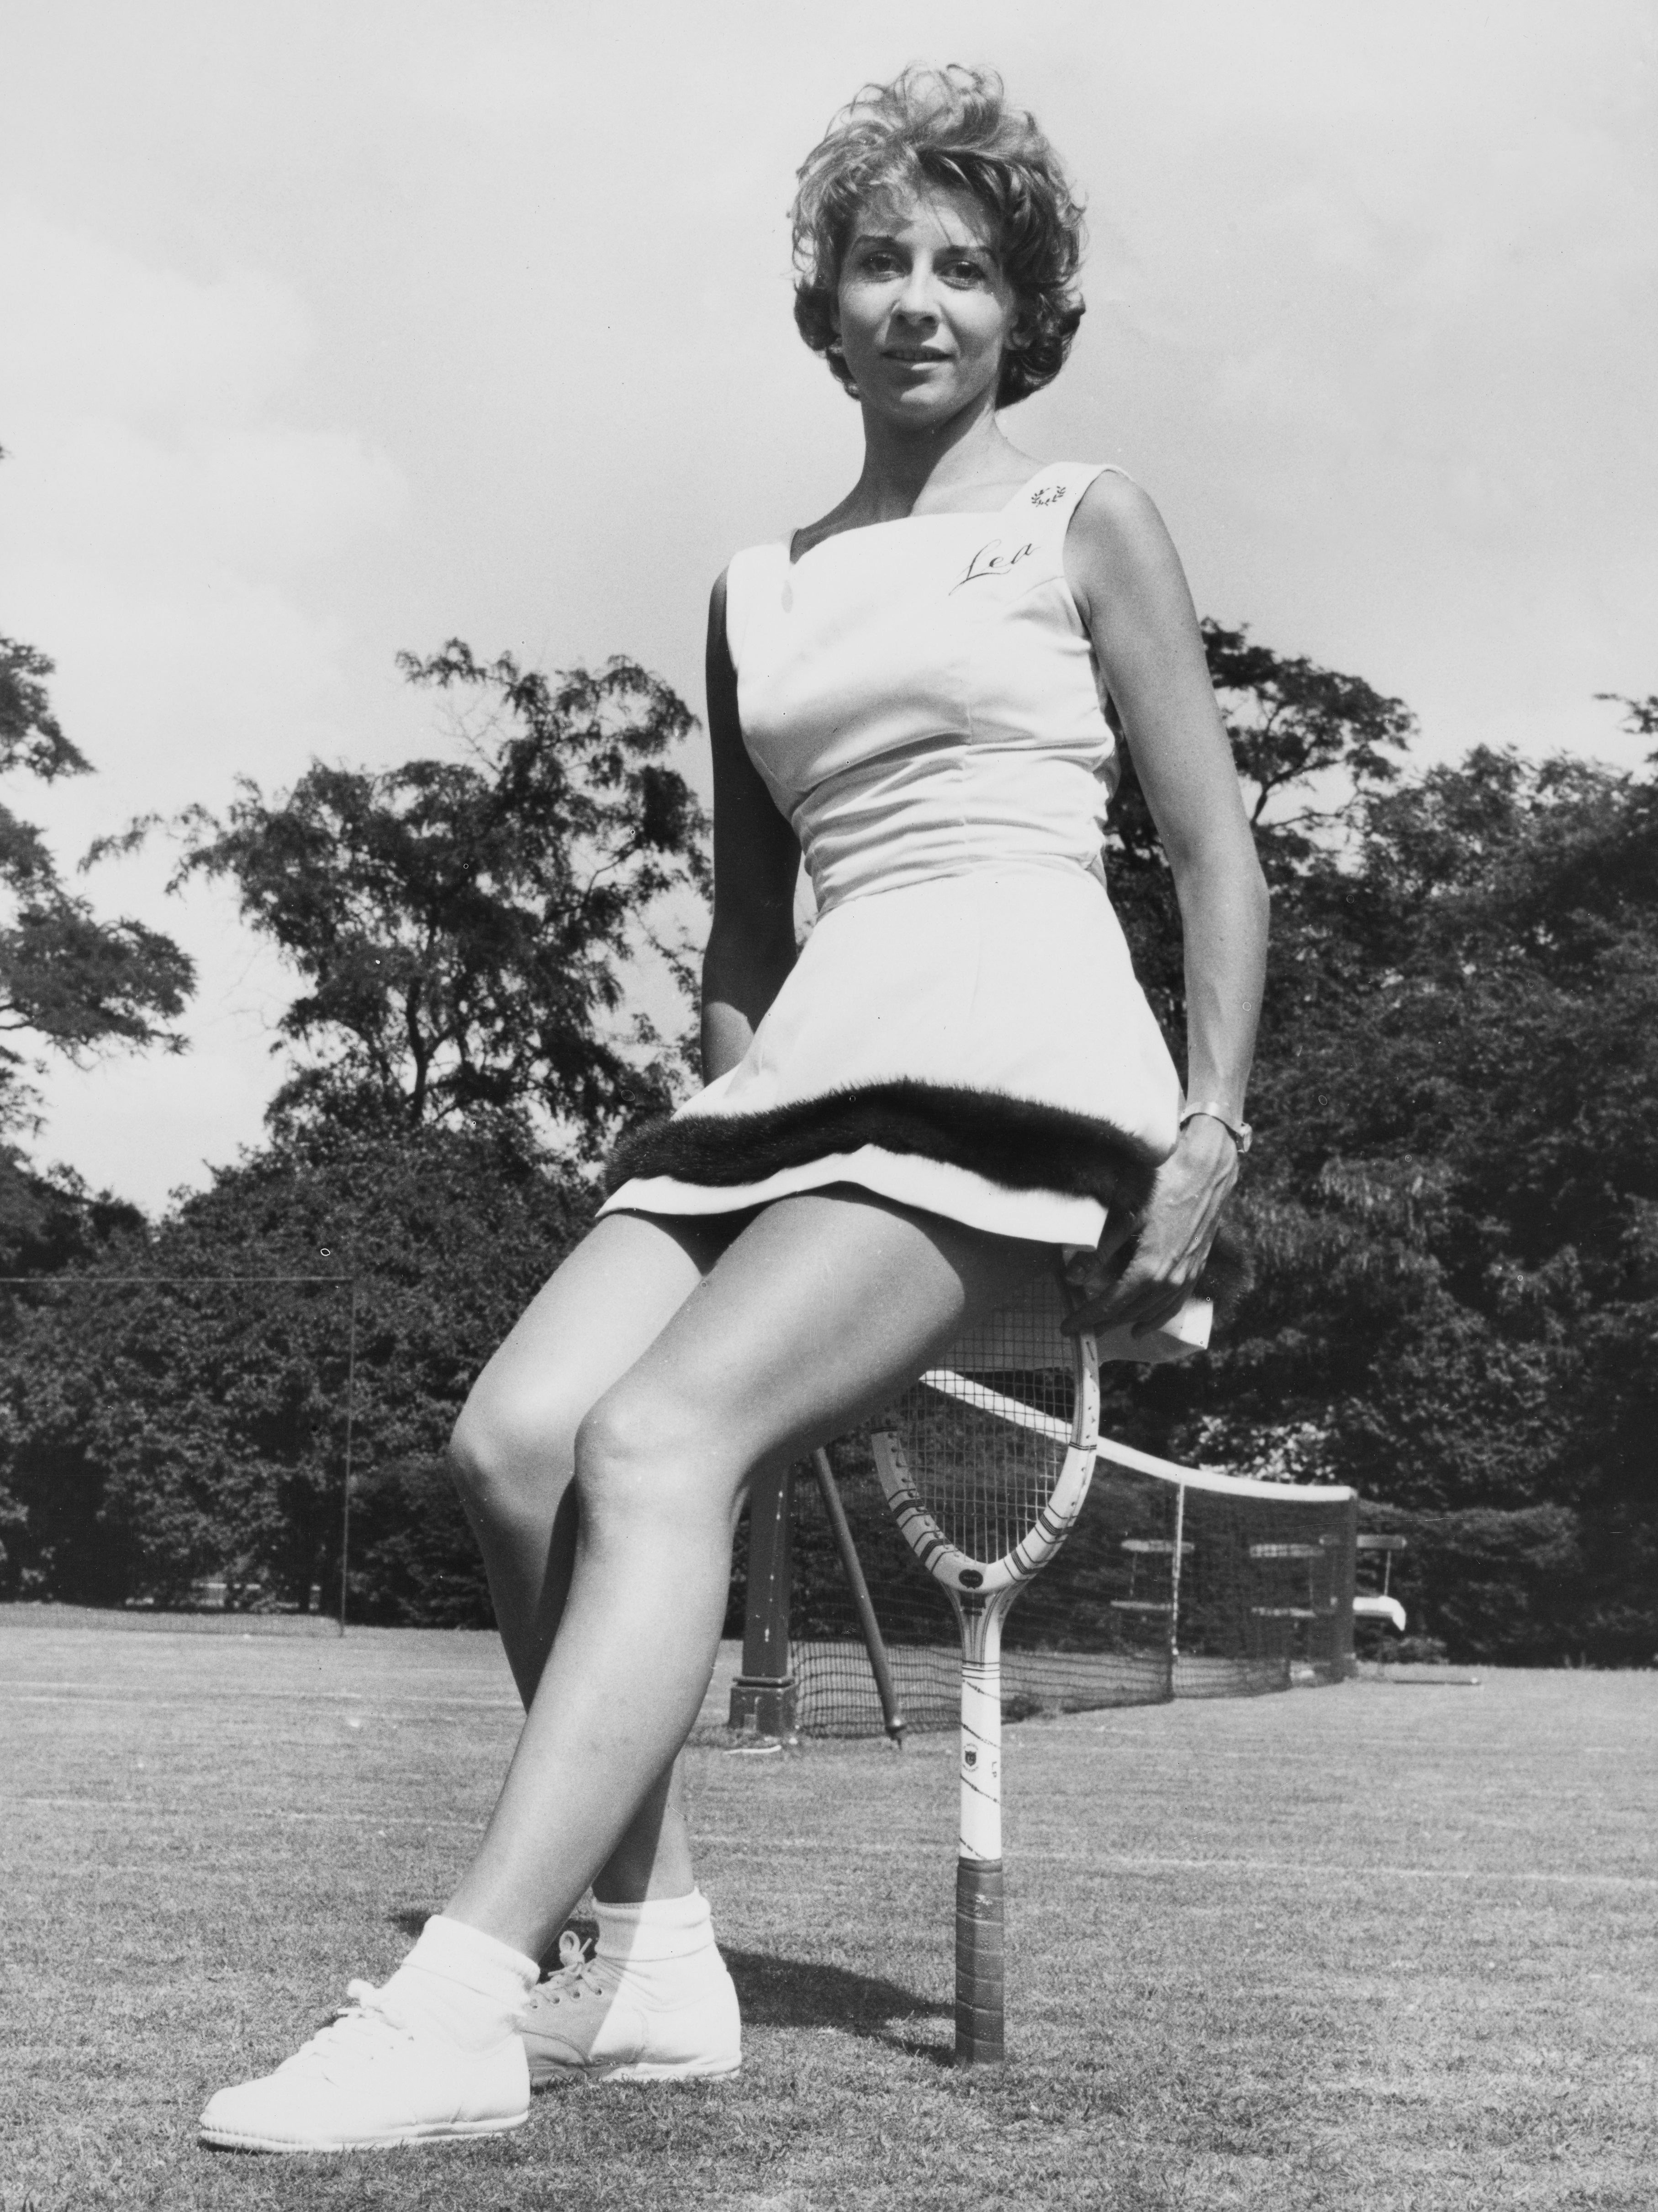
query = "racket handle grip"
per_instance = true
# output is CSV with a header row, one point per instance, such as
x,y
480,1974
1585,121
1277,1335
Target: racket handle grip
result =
x,y
979,1962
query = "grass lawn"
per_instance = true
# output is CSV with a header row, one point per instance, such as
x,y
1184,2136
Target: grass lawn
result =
x,y
1387,1946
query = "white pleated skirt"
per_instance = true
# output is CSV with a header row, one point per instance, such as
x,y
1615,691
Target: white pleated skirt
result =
x,y
974,1045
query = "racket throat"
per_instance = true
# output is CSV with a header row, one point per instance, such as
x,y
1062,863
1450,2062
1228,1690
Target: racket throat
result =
x,y
980,1767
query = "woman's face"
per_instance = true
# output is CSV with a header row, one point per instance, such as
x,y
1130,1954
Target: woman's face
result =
x,y
923,311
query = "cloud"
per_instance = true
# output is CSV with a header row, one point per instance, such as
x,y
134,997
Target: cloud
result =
x,y
91,330
500,81
173,539
139,412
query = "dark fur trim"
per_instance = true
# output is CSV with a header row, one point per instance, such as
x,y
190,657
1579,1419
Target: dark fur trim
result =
x,y
1011,1141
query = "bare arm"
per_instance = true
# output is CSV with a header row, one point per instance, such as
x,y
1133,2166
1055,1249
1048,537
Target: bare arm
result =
x,y
1133,594
756,861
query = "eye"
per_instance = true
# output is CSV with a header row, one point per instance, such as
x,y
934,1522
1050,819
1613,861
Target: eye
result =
x,y
960,272
878,260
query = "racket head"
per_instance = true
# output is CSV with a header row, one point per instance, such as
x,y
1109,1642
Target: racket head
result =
x,y
986,1458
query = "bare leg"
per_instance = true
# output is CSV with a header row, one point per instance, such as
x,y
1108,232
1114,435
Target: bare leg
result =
x,y
817,1309
514,1455
821,1307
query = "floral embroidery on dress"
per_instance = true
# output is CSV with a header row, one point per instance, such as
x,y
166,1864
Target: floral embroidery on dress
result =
x,y
1047,495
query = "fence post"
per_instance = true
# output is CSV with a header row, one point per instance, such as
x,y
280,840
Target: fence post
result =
x,y
763,1696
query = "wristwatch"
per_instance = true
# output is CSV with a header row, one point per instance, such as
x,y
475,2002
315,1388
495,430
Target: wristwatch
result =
x,y
1240,1132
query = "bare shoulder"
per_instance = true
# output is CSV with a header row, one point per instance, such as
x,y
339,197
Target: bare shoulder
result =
x,y
1118,548
1118,516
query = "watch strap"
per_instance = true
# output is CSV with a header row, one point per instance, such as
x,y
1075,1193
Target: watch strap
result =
x,y
1240,1132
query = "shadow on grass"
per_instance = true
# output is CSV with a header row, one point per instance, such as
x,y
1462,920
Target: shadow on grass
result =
x,y
802,1993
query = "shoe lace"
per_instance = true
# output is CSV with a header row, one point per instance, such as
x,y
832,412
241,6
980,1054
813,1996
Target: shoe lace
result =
x,y
576,1975
362,2029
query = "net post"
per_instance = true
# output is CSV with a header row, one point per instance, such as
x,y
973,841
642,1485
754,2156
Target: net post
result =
x,y
1345,1577
763,1694
351,1428
852,1567
1175,1558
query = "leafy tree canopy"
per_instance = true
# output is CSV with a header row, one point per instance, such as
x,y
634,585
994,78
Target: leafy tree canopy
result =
x,y
69,982
31,736
1454,1197
1308,743
192,1422
465,928
1294,726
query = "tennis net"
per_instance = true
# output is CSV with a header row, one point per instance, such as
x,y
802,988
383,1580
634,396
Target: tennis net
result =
x,y
1176,1583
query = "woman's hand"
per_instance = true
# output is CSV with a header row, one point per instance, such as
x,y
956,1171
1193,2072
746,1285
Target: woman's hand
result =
x,y
1172,1237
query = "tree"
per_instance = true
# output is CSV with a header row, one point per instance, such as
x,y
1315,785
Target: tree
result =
x,y
155,1431
1308,743
1294,726
1454,1198
76,985
465,930
1639,715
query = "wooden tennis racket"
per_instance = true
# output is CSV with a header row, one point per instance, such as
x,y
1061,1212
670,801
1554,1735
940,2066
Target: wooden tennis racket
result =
x,y
986,1463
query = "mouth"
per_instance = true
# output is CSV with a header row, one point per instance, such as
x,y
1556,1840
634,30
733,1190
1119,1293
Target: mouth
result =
x,y
914,356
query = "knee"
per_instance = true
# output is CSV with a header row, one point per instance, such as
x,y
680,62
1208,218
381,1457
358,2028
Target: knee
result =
x,y
510,1457
617,1446
638,1454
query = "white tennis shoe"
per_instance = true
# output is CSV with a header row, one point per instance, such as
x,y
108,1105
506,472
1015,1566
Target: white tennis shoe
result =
x,y
592,2017
369,2080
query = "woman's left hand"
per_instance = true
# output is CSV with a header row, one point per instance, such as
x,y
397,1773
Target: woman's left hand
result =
x,y
1173,1236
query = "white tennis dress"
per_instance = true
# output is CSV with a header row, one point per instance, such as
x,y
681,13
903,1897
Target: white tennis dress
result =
x,y
963,1030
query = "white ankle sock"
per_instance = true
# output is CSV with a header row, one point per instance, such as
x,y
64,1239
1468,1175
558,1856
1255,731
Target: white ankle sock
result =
x,y
666,1944
462,1983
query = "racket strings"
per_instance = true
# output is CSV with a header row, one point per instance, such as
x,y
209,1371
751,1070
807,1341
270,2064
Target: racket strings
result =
x,y
983,1477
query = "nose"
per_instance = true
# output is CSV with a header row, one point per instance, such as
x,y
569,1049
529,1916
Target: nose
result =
x,y
915,302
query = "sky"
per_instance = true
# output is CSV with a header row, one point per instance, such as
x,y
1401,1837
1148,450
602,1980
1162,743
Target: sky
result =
x,y
330,329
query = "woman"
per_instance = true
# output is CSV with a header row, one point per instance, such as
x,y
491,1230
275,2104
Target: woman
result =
x,y
899,1126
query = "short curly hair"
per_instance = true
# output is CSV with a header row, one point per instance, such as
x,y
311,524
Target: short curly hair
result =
x,y
951,127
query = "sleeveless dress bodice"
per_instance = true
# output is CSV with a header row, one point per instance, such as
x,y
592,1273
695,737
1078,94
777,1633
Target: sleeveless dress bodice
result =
x,y
963,1030
920,697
